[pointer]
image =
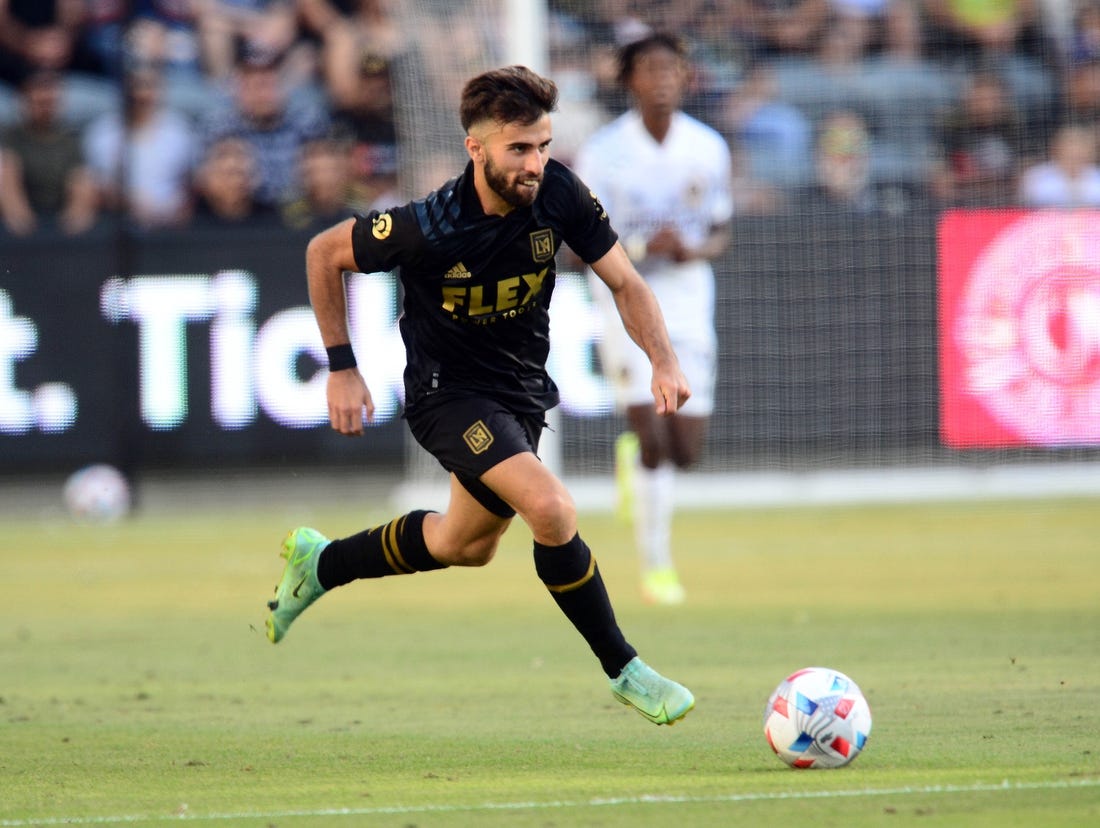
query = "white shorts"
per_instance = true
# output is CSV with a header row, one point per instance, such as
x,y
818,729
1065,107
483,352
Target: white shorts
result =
x,y
627,368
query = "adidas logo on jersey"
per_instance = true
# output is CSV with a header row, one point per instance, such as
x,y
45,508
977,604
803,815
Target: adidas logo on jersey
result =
x,y
459,271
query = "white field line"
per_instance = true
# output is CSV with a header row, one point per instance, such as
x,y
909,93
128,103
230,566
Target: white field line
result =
x,y
182,815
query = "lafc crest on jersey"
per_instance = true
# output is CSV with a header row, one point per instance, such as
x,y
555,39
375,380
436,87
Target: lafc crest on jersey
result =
x,y
542,245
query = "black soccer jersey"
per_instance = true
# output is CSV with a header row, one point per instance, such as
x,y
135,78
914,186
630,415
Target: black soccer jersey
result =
x,y
477,287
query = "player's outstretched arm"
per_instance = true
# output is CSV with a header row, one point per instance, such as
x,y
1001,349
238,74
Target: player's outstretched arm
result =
x,y
645,323
328,256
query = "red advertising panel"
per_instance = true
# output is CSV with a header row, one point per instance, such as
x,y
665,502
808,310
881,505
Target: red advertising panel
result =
x,y
1019,299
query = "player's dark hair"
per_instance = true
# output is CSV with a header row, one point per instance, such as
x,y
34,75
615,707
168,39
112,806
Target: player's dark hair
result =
x,y
629,54
511,95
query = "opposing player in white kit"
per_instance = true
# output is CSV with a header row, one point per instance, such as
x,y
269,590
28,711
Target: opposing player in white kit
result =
x,y
665,176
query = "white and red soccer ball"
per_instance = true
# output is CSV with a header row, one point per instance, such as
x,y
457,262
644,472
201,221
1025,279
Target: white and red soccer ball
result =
x,y
817,718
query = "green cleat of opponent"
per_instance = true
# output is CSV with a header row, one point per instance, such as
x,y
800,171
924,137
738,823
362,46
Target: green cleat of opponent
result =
x,y
659,699
299,586
662,586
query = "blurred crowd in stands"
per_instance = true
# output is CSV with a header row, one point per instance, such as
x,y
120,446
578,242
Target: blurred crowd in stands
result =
x,y
177,113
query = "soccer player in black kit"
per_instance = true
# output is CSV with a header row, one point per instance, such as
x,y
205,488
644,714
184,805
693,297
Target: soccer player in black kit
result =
x,y
476,262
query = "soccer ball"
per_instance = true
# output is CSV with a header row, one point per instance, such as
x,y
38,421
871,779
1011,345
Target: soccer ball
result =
x,y
817,718
97,494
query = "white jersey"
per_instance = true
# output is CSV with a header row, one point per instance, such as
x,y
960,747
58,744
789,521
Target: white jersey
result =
x,y
683,182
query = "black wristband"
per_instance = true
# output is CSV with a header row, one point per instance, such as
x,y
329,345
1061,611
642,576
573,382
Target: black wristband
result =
x,y
341,357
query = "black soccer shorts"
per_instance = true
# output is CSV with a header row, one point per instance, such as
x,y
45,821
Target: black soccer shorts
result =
x,y
470,435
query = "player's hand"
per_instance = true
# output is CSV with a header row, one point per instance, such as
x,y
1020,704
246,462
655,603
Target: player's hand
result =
x,y
349,402
666,242
670,390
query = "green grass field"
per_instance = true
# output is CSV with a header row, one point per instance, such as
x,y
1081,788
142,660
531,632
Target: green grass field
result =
x,y
136,686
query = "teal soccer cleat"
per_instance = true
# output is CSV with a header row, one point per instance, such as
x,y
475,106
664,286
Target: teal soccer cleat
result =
x,y
299,586
660,700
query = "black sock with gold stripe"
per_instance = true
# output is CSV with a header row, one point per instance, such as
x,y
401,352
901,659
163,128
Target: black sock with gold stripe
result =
x,y
394,548
570,573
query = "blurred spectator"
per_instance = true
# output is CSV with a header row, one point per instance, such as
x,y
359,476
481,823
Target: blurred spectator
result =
x,y
146,152
275,127
859,29
101,42
842,162
225,186
869,61
9,106
873,11
1069,178
37,34
830,76
976,31
713,32
43,35
1085,36
843,180
369,26
773,137
573,69
363,109
315,17
846,40
905,95
326,186
982,144
228,27
1005,36
902,33
1082,93
361,90
166,33
781,27
678,17
359,42
45,179
616,22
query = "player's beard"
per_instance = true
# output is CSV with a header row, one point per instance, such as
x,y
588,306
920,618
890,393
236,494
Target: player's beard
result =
x,y
510,191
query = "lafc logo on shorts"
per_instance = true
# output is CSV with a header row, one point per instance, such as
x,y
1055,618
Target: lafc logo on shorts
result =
x,y
542,245
478,437
381,226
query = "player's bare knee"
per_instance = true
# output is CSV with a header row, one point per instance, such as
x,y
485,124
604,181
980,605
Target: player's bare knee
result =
x,y
552,514
461,548
476,552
